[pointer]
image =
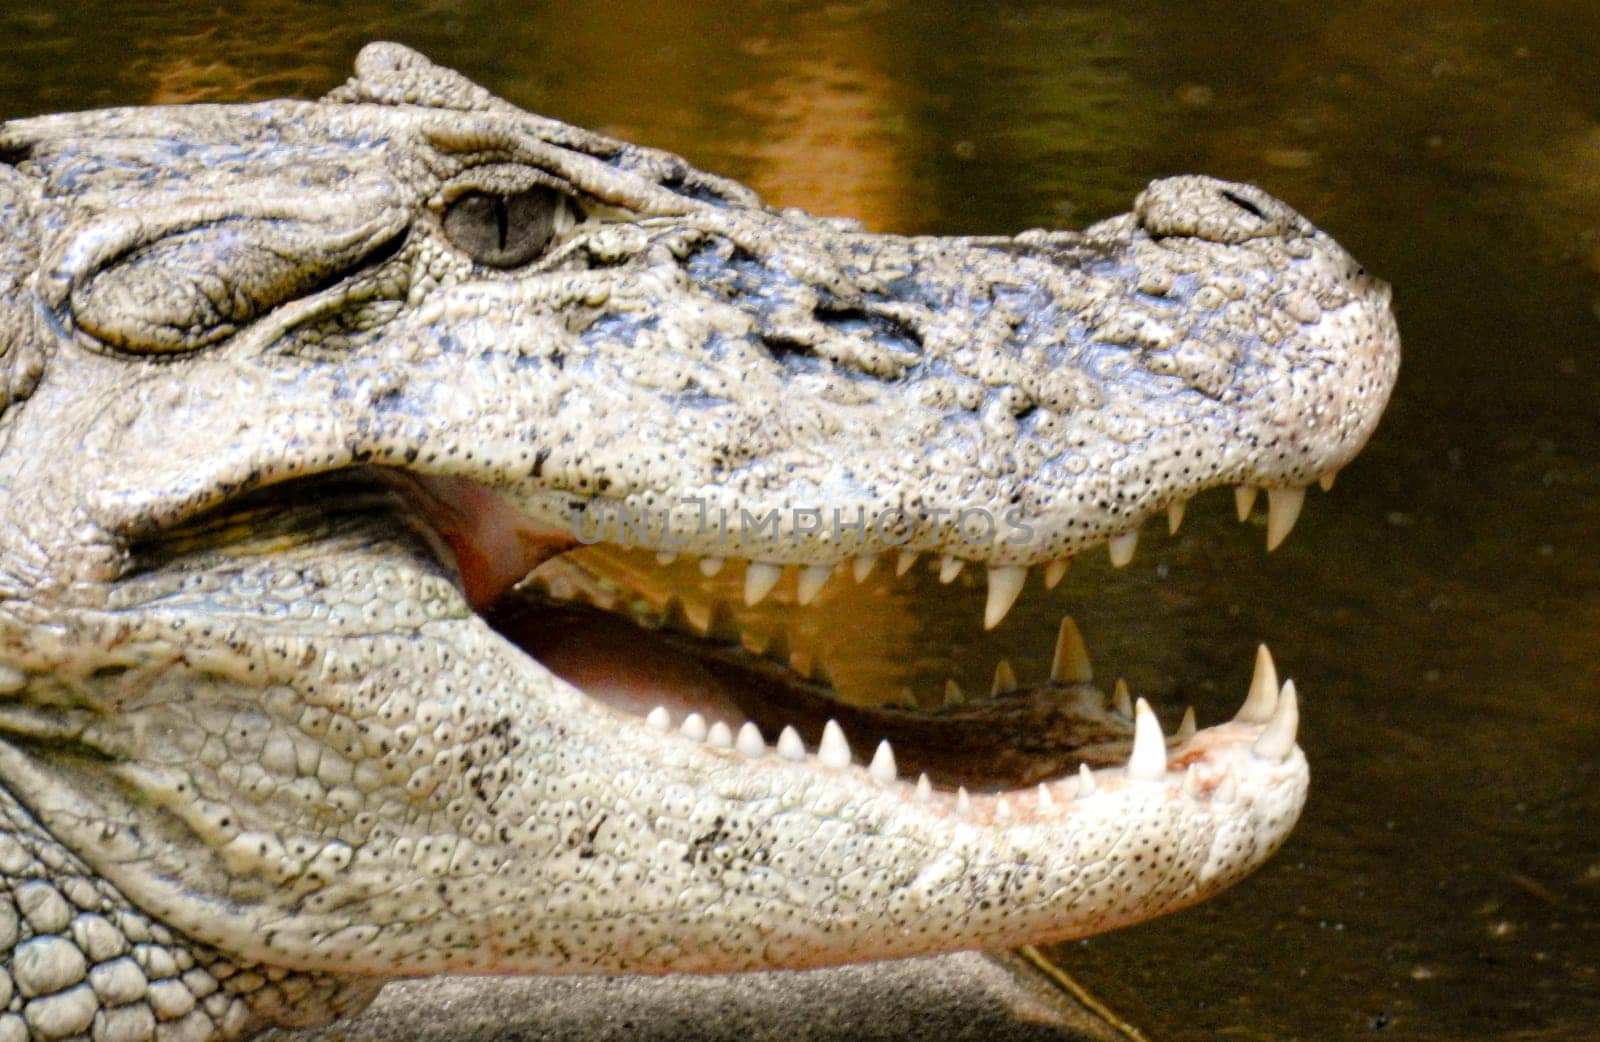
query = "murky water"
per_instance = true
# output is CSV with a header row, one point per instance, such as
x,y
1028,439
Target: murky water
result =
x,y
1440,609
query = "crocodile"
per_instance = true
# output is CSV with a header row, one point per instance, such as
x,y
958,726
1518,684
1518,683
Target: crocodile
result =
x,y
296,395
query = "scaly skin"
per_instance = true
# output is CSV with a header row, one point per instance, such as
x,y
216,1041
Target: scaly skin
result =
x,y
270,433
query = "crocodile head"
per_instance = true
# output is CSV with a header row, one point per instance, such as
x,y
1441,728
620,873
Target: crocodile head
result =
x,y
298,391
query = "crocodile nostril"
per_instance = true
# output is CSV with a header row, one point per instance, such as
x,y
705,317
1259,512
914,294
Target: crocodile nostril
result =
x,y
1243,204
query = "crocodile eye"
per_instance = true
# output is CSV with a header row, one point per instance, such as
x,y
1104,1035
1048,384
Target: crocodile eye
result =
x,y
505,231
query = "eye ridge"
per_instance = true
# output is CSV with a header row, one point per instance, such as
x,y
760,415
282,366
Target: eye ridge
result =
x,y
501,230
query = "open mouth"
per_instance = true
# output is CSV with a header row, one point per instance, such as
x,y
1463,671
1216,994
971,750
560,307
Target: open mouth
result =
x,y
672,657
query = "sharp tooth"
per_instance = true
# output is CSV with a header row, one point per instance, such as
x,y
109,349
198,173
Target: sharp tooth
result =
x,y
1277,739
1055,571
1283,509
693,726
1263,697
903,563
1005,582
676,618
949,568
666,557
1071,664
1148,761
1227,789
720,736
1191,781
1326,481
1005,679
723,626
1122,698
710,566
953,695
659,719
820,674
1047,802
862,566
759,579
1002,809
812,579
1244,501
1086,782
1175,515
833,751
1121,548
924,789
904,699
777,649
963,801
882,767
790,747
750,743
1187,726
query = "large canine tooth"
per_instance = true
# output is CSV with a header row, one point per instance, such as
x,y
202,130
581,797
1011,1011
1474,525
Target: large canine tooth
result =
x,y
1121,548
1175,515
1086,783
790,747
953,695
813,578
924,789
1187,726
759,579
1277,739
1002,809
710,566
949,568
1148,761
882,767
1071,664
903,563
1283,510
1191,781
1326,481
834,750
659,719
1005,582
1262,700
1055,571
750,743
862,566
1047,802
1244,501
1005,679
1122,698
693,726
963,801
719,736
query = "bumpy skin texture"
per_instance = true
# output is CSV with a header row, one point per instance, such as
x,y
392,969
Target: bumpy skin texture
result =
x,y
266,750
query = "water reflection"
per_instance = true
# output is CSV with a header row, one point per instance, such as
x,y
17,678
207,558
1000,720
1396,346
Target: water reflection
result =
x,y
1439,609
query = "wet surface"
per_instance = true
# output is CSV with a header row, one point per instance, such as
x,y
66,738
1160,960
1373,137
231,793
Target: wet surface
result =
x,y
1439,610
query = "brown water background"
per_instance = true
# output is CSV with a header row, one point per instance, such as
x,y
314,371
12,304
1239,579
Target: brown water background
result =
x,y
1440,610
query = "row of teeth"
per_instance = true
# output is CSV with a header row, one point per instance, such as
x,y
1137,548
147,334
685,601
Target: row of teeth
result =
x,y
1006,581
1273,707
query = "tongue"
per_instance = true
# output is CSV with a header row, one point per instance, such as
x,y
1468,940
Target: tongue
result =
x,y
612,660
